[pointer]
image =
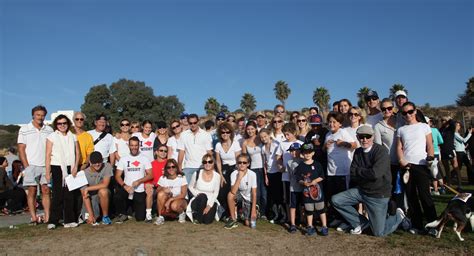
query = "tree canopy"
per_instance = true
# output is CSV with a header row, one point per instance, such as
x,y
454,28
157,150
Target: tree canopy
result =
x,y
395,88
212,106
129,99
248,103
361,96
282,91
467,98
321,98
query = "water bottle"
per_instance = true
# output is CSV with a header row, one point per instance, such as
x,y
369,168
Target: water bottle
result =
x,y
130,196
253,223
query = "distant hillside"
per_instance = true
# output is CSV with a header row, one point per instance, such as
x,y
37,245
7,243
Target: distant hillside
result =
x,y
8,135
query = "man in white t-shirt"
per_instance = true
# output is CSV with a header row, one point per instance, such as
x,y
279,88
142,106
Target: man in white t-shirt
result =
x,y
415,153
374,115
193,145
136,169
103,141
243,192
32,152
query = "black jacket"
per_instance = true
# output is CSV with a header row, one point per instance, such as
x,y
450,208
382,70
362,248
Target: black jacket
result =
x,y
371,171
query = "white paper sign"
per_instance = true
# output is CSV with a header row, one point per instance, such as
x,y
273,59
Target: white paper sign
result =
x,y
79,181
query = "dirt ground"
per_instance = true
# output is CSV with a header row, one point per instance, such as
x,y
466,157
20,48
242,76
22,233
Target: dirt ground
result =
x,y
172,238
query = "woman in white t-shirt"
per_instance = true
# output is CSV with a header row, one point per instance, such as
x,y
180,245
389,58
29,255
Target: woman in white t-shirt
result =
x,y
121,140
227,149
415,150
277,129
62,159
205,187
147,138
175,130
172,189
356,118
252,147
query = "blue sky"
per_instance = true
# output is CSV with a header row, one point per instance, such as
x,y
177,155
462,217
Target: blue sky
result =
x,y
52,52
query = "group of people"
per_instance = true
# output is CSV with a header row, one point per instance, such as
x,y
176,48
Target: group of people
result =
x,y
359,169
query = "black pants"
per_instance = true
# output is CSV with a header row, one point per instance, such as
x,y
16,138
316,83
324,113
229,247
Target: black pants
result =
x,y
15,198
463,159
418,190
198,205
64,202
138,201
334,185
222,197
397,198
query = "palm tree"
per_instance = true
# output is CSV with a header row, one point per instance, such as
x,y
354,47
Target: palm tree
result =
x,y
361,96
248,103
395,88
212,106
225,109
321,98
282,91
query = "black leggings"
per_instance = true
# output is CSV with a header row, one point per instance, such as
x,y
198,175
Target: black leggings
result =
x,y
63,200
198,205
418,190
463,159
222,197
139,203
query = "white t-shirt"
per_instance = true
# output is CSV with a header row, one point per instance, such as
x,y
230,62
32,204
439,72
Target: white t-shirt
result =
x,y
35,141
339,158
248,182
229,156
105,146
195,146
122,147
353,133
134,168
173,143
278,137
64,148
413,138
210,189
173,185
286,155
255,156
146,144
270,157
374,119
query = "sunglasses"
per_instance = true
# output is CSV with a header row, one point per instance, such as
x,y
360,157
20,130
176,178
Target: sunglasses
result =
x,y
175,127
387,108
135,127
230,120
124,124
353,114
163,150
278,121
301,121
242,162
220,119
279,111
364,136
79,119
162,127
227,132
192,123
371,98
409,112
170,167
208,162
62,123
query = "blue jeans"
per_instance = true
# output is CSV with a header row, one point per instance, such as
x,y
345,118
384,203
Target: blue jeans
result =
x,y
188,173
261,191
380,224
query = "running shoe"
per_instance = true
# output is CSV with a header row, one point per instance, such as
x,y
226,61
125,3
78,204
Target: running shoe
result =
x,y
121,218
310,231
231,224
106,220
160,220
292,229
148,218
71,225
51,226
324,231
182,217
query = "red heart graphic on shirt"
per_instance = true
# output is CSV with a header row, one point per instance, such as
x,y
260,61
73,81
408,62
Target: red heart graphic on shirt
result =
x,y
136,163
148,143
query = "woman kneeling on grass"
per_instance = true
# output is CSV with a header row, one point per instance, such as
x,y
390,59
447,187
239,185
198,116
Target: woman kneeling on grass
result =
x,y
204,185
172,189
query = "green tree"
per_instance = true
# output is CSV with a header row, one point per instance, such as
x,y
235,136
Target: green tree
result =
x,y
212,106
321,98
395,88
361,96
225,109
248,103
282,91
129,99
467,98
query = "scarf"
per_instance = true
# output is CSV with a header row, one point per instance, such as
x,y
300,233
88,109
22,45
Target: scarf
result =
x,y
66,146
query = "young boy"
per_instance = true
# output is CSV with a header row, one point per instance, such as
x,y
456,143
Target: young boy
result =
x,y
296,189
310,175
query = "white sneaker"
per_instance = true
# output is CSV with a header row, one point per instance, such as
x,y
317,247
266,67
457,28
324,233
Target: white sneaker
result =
x,y
148,218
359,229
71,225
160,220
182,217
51,226
406,222
343,227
